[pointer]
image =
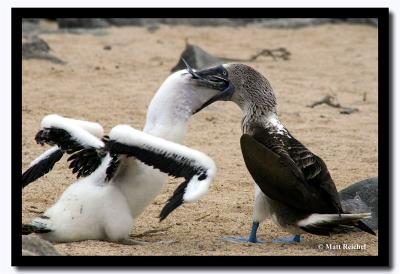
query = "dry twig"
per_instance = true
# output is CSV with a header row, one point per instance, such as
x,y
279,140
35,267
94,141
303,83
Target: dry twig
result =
x,y
331,101
202,217
152,231
282,53
365,97
38,211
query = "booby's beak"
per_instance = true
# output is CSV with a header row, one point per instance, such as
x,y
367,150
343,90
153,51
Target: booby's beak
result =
x,y
214,78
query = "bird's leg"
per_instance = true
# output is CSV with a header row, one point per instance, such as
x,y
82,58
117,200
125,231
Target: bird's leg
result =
x,y
251,239
253,232
287,240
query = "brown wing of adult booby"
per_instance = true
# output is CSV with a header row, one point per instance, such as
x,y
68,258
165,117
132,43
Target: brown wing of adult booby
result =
x,y
280,178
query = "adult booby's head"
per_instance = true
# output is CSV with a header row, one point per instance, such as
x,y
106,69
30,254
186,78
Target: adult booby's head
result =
x,y
238,83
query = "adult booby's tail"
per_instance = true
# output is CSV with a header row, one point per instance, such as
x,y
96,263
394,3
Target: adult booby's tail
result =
x,y
325,224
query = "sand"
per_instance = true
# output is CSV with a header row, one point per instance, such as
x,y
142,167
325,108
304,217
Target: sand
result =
x,y
115,87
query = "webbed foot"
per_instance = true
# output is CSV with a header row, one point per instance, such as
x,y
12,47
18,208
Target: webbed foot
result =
x,y
242,240
287,240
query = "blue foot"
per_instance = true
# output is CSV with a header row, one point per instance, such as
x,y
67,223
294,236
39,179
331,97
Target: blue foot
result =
x,y
252,237
241,240
287,240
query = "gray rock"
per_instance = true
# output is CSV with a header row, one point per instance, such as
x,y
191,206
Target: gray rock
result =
x,y
31,20
197,58
34,47
37,26
128,21
33,245
176,21
153,28
367,21
292,22
82,23
362,196
34,44
355,205
180,21
305,22
31,26
199,22
233,22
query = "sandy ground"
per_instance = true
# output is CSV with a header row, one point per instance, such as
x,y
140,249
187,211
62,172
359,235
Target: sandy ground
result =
x,y
115,87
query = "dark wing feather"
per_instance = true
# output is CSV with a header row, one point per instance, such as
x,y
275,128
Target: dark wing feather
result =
x,y
84,160
60,137
174,201
308,163
173,164
276,177
112,166
27,229
41,168
306,185
276,144
315,172
177,198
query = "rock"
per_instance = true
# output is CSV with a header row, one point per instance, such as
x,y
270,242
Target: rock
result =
x,y
127,21
235,22
355,205
89,23
304,22
197,58
37,26
153,28
367,21
200,22
33,245
34,44
31,20
362,196
177,21
68,23
31,26
292,22
34,47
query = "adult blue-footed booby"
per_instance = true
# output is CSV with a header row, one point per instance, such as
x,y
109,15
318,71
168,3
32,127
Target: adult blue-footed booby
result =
x,y
123,172
293,185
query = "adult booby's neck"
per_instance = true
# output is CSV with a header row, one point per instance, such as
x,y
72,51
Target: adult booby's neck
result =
x,y
259,115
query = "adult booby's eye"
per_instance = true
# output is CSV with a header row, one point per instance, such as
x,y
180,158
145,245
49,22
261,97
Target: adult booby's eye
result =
x,y
224,73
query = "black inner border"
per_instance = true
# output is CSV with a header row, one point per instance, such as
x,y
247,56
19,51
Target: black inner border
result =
x,y
384,141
